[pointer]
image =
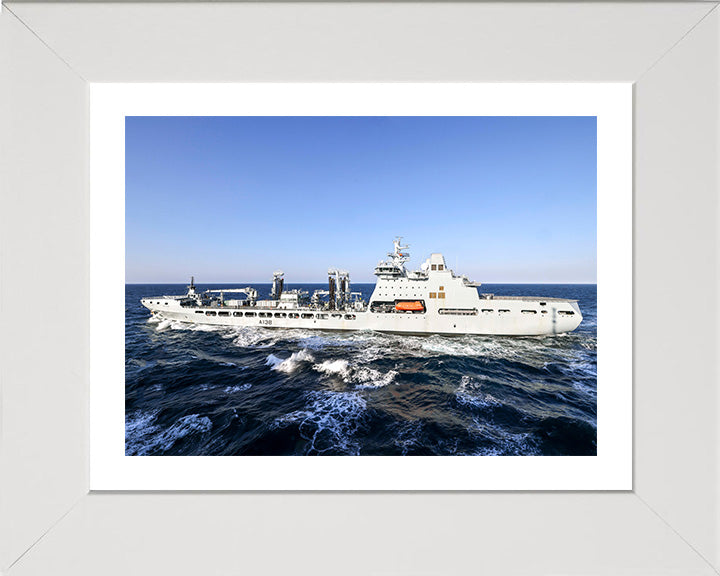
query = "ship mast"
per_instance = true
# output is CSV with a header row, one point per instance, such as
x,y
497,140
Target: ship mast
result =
x,y
398,255
394,266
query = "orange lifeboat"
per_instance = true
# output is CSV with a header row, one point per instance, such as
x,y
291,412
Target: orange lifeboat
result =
x,y
410,306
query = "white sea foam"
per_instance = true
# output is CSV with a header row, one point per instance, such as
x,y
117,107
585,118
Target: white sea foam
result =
x,y
194,423
187,326
470,393
589,343
197,327
362,376
260,337
318,342
329,421
143,437
138,424
233,389
373,346
502,442
254,338
339,367
289,365
371,378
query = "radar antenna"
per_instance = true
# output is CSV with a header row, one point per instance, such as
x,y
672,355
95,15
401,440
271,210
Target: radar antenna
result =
x,y
399,254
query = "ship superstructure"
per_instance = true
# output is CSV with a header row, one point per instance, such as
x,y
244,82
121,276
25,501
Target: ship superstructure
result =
x,y
431,300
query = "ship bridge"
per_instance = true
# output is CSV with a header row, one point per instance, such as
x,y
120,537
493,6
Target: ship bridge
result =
x,y
394,266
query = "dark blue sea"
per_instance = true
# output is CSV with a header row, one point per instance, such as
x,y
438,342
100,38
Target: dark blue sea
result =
x,y
200,390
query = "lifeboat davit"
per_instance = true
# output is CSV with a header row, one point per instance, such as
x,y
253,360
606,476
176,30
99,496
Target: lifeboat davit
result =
x,y
410,306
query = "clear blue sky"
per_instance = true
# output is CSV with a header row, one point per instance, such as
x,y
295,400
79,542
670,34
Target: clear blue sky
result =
x,y
505,199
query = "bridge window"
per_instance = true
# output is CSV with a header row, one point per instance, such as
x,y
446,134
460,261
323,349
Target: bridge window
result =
x,y
440,267
433,267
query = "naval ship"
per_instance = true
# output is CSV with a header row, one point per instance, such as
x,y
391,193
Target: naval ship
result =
x,y
431,300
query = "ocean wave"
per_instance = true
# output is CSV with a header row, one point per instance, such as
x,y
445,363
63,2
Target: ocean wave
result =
x,y
329,421
447,346
253,338
532,351
588,343
138,424
320,341
498,441
470,393
361,376
143,437
261,337
289,365
164,324
407,436
338,367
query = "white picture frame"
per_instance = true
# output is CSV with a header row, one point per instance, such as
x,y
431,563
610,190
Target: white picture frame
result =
x,y
668,523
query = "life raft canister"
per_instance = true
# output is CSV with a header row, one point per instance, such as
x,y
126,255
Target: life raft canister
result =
x,y
410,306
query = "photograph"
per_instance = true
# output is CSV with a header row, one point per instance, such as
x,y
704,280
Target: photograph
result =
x,y
361,285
